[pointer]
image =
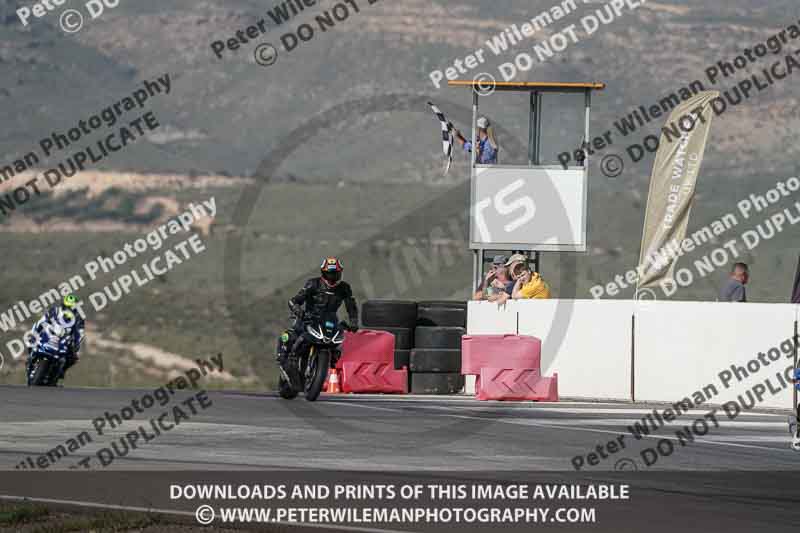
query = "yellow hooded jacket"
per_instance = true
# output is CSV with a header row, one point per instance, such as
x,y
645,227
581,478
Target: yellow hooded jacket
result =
x,y
535,288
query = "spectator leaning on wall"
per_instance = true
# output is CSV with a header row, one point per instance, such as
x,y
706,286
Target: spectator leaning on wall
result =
x,y
733,290
527,284
496,283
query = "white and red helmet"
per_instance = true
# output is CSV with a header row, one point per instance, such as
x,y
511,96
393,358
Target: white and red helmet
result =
x,y
331,269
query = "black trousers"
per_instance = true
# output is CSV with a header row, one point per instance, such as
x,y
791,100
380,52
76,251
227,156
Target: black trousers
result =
x,y
290,341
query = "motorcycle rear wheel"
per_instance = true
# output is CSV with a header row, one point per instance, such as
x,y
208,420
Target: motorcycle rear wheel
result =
x,y
313,383
285,389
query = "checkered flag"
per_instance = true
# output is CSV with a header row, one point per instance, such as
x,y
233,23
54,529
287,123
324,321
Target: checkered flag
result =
x,y
447,137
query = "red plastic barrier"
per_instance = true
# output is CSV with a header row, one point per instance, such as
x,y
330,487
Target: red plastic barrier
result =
x,y
499,351
367,345
516,384
370,376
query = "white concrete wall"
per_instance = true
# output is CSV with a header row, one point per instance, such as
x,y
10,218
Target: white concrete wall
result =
x,y
582,345
680,347
486,318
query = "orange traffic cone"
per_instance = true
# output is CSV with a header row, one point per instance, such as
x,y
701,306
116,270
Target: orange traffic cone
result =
x,y
333,382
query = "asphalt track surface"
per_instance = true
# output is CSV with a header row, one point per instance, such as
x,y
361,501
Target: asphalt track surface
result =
x,y
738,477
380,433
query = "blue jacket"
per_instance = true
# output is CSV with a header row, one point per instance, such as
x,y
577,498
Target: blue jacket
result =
x,y
487,154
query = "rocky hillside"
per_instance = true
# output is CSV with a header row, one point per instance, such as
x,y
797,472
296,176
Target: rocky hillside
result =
x,y
225,115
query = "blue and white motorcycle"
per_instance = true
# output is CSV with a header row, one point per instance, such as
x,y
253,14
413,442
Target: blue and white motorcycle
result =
x,y
49,355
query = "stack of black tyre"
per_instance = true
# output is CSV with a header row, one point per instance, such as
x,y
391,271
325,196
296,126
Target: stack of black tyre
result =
x,y
427,340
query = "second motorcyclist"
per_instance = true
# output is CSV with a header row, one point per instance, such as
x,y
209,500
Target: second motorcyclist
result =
x,y
62,326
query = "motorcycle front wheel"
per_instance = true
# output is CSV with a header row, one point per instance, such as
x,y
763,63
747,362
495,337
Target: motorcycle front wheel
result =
x,y
317,371
41,368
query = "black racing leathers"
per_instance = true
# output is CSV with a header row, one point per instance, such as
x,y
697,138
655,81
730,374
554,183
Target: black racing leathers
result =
x,y
320,299
315,299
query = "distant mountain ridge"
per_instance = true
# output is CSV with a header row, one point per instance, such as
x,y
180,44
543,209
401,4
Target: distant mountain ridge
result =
x,y
237,111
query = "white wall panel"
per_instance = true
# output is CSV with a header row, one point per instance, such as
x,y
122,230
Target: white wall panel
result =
x,y
682,347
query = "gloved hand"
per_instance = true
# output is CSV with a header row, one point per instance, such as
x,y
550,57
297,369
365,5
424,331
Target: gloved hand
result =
x,y
295,310
353,328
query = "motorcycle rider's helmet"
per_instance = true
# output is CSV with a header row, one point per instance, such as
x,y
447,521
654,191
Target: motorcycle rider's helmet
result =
x,y
66,315
69,301
331,269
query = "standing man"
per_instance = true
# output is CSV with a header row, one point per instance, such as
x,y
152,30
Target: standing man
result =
x,y
487,144
733,290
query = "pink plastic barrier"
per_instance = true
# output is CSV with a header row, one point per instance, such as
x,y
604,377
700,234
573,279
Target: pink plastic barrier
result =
x,y
516,384
499,351
367,345
367,363
367,376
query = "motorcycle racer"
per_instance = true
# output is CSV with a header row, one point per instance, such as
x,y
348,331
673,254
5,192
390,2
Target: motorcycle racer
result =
x,y
318,296
61,322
